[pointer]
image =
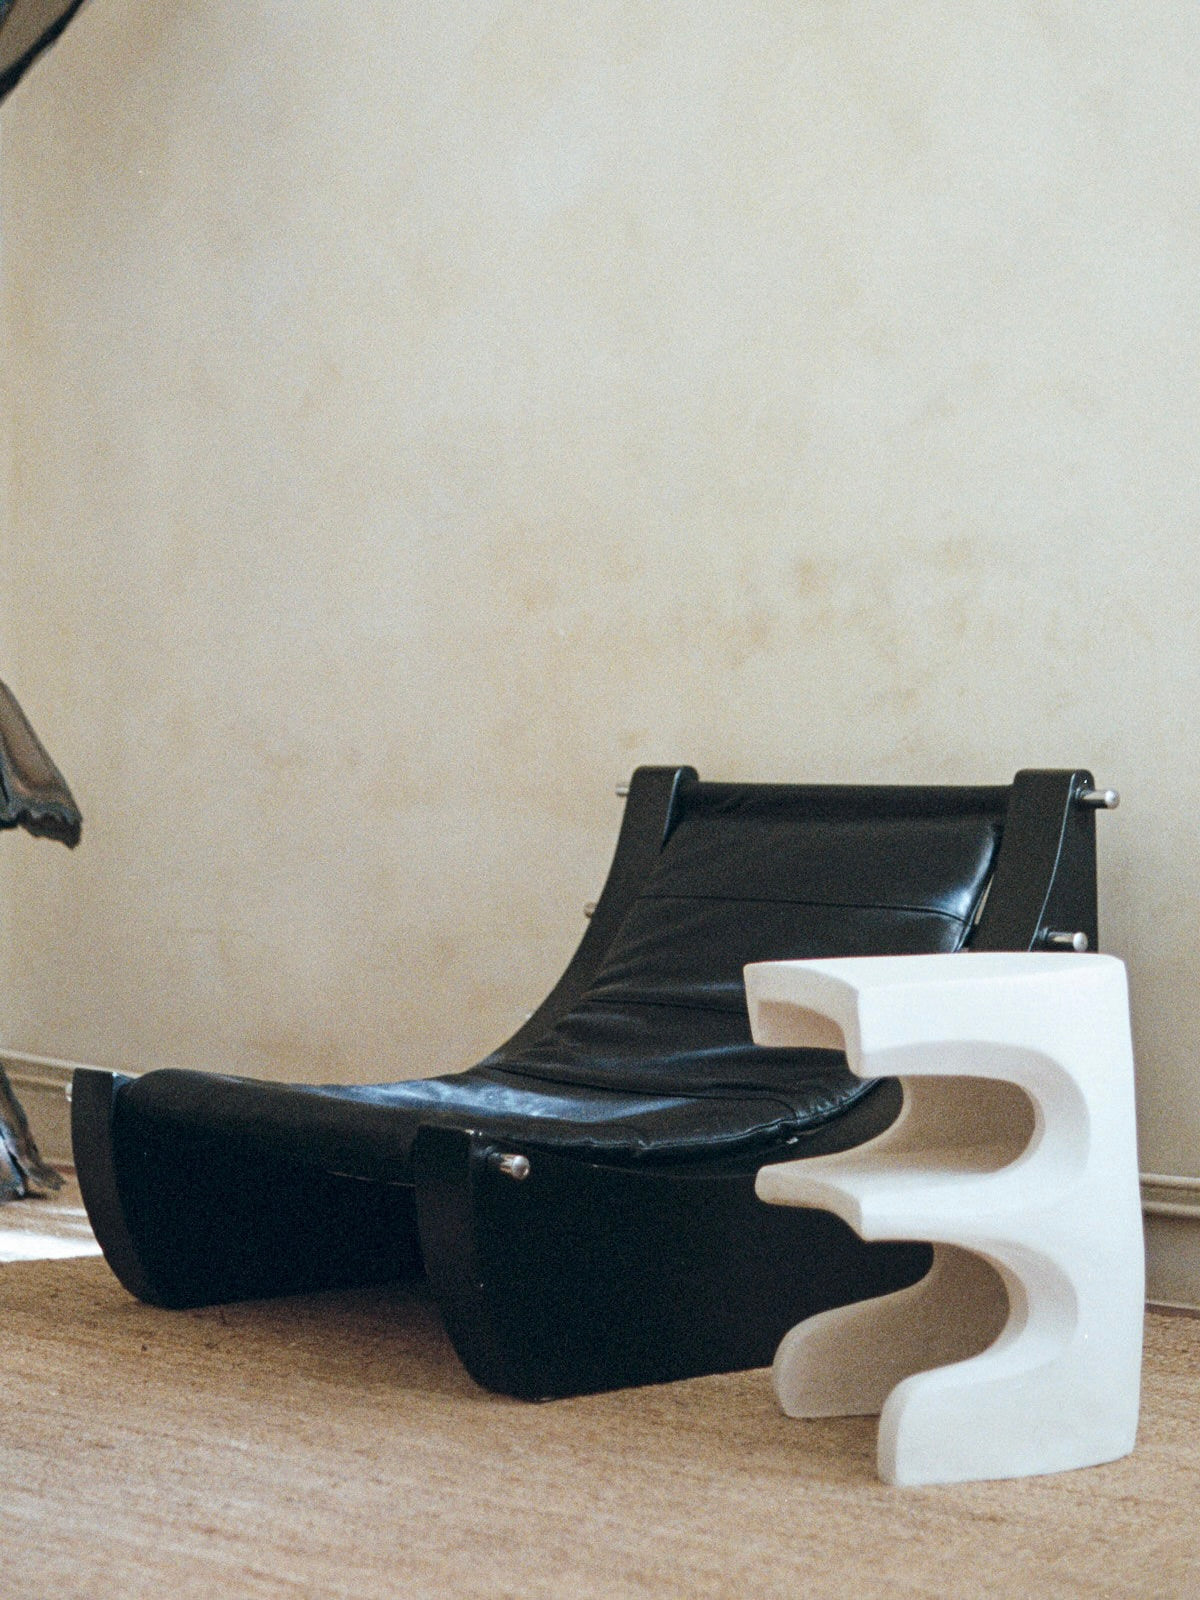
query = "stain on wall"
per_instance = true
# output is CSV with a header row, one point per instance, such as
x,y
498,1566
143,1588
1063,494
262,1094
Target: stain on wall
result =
x,y
420,415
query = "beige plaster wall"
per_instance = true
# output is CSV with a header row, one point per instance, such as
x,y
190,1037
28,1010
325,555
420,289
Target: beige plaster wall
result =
x,y
9,866
422,413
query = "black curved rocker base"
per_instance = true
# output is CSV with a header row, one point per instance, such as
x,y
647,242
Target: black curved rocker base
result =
x,y
582,1202
190,1224
644,1286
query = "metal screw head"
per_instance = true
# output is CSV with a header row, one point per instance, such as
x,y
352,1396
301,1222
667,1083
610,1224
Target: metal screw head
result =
x,y
512,1166
1066,941
1099,799
622,791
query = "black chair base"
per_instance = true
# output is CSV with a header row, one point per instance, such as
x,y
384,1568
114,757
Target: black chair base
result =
x,y
644,1287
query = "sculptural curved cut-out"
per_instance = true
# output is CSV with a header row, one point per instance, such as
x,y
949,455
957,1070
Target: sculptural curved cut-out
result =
x,y
1020,1351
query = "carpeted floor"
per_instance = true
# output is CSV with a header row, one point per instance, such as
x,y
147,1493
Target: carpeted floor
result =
x,y
332,1446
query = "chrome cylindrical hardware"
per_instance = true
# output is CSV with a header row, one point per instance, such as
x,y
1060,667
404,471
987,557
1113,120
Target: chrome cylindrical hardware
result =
x,y
1099,799
622,791
589,909
515,1167
1066,941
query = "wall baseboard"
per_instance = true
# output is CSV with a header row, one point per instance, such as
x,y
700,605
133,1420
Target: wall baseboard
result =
x,y
1170,1204
1164,1195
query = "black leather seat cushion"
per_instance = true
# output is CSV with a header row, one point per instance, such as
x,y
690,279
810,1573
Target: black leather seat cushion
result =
x,y
367,1130
656,1060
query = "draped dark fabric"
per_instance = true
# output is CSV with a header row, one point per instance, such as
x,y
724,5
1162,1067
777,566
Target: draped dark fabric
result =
x,y
33,792
33,796
27,27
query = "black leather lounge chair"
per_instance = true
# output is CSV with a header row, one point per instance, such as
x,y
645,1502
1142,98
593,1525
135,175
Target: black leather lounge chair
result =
x,y
582,1201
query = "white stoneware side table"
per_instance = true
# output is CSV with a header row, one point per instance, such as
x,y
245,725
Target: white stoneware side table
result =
x,y
1014,1154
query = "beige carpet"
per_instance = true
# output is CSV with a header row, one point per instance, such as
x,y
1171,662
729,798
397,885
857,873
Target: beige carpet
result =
x,y
332,1446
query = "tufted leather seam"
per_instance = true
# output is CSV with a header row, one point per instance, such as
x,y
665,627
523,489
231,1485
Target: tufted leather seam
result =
x,y
759,1096
833,905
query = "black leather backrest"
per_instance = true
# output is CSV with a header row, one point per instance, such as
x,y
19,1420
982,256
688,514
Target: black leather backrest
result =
x,y
764,873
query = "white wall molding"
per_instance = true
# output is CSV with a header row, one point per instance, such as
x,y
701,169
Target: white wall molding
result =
x,y
37,1071
1164,1195
1171,1206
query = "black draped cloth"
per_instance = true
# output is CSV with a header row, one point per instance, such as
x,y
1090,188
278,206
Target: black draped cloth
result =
x,y
34,796
27,27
